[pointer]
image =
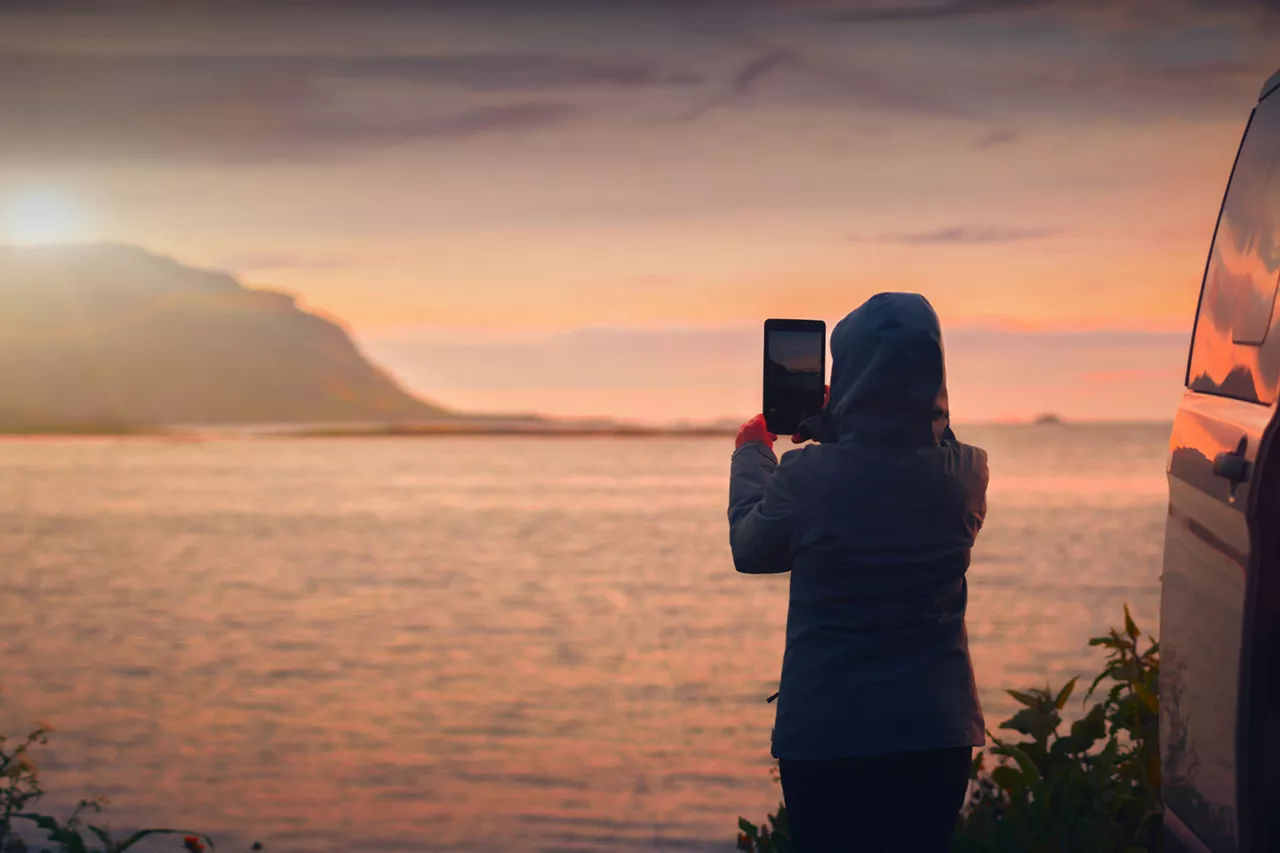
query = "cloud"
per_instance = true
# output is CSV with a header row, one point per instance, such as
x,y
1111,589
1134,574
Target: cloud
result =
x,y
495,71
1195,80
929,11
227,87
961,235
803,78
226,132
1188,15
996,139
1158,58
750,75
510,118
78,107
1150,13
1135,83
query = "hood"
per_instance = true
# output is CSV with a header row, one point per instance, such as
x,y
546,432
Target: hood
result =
x,y
888,376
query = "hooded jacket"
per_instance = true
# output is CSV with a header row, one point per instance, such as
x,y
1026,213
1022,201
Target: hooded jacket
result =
x,y
875,524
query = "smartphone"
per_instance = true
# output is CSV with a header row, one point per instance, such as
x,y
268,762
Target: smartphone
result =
x,y
795,372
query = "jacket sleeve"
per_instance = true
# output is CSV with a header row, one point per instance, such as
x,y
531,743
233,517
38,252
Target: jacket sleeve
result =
x,y
978,490
761,510
970,464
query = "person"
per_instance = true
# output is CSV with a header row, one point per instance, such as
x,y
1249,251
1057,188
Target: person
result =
x,y
877,710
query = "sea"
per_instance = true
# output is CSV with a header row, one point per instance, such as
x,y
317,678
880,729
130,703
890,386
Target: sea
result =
x,y
477,643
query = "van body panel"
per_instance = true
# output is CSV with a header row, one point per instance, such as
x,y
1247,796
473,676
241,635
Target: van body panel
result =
x,y
1202,607
1220,589
1258,733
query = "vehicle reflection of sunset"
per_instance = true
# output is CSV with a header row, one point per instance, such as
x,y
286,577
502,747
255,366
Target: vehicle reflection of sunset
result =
x,y
1191,432
1239,298
1217,356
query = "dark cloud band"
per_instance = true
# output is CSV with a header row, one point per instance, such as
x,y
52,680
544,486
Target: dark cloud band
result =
x,y
961,235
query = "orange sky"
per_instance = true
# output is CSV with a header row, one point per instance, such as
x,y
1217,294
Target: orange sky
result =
x,y
495,170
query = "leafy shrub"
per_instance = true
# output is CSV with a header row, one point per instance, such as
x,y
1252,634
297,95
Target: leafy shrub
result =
x,y
20,791
1093,789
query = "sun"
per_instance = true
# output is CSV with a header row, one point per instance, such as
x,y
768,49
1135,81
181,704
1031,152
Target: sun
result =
x,y
43,215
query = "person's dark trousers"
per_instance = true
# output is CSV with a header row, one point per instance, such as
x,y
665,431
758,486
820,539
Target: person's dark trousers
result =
x,y
906,802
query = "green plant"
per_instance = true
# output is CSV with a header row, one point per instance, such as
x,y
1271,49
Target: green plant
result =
x,y
20,791
1093,789
773,836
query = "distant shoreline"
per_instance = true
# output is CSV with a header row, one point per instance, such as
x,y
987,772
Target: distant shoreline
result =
x,y
423,430
507,432
456,428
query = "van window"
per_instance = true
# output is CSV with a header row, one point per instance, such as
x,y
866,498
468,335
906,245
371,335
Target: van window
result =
x,y
1239,292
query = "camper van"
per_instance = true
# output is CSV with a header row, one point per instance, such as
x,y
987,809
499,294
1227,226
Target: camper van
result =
x,y
1220,588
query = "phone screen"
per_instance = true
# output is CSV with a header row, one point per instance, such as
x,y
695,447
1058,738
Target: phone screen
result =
x,y
795,362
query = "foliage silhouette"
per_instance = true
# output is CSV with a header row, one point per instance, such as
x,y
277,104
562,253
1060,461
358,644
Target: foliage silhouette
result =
x,y
1094,788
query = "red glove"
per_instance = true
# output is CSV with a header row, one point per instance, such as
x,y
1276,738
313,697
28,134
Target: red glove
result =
x,y
754,430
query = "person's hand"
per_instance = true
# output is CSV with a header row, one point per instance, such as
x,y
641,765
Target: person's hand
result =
x,y
802,436
754,430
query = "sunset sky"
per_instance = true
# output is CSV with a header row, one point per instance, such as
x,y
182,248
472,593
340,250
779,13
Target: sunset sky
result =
x,y
589,208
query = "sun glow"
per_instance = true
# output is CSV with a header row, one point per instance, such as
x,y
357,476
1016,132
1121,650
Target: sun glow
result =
x,y
42,215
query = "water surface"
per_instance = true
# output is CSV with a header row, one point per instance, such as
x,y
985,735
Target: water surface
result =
x,y
477,643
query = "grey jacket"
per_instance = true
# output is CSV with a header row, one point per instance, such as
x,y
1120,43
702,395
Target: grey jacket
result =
x,y
875,524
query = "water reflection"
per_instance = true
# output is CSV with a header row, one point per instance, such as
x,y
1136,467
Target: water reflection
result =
x,y
477,644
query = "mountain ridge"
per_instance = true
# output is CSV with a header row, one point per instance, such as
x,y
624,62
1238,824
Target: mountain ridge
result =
x,y
115,334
